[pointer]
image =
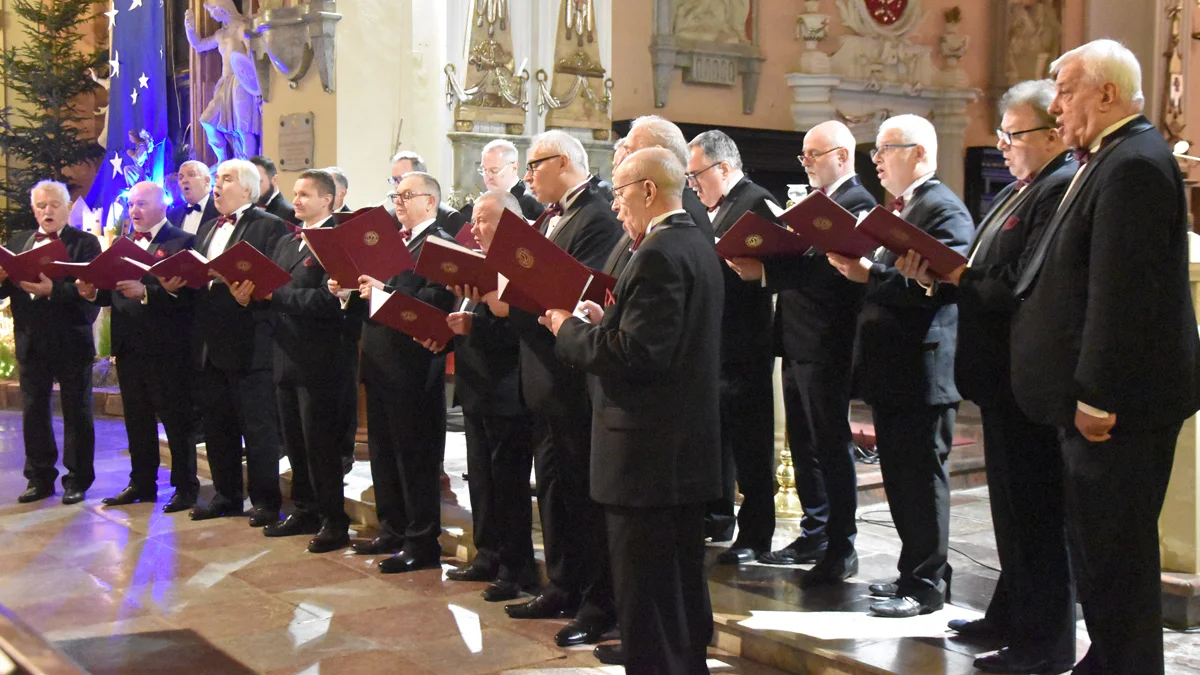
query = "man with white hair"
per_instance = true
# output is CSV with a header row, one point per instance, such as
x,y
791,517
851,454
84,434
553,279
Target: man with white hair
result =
x,y
195,185
52,327
1104,347
581,223
407,161
652,131
904,368
498,166
815,316
232,353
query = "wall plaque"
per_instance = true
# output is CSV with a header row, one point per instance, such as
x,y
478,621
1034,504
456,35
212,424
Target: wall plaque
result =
x,y
712,69
296,142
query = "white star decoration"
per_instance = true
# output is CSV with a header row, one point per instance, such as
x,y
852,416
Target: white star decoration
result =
x,y
134,96
114,64
112,17
144,82
116,165
135,4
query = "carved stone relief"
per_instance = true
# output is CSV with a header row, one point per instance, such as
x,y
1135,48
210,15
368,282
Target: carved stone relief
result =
x,y
712,41
1027,37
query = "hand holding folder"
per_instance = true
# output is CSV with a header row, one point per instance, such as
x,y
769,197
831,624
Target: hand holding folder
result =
x,y
900,236
543,273
830,228
188,265
454,265
753,236
410,316
242,262
30,265
368,244
114,265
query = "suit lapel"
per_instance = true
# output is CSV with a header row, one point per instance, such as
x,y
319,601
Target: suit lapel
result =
x,y
568,215
720,226
1006,203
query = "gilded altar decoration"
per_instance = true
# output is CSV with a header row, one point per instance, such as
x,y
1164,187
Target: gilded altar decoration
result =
x,y
576,93
494,89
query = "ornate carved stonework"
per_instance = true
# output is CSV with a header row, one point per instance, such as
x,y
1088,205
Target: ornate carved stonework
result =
x,y
1026,38
577,94
291,39
494,88
712,41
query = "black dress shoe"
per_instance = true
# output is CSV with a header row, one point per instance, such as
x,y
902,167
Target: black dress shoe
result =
x,y
979,628
903,607
35,493
476,571
719,528
73,496
262,517
179,502
610,655
1007,661
501,590
329,538
883,589
407,562
802,551
736,556
384,543
219,507
576,633
295,524
130,495
542,607
831,570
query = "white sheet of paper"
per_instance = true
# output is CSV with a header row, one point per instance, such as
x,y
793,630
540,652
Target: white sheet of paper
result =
x,y
378,297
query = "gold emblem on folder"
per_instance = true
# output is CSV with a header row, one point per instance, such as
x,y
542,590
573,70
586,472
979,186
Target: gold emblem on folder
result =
x,y
449,267
371,238
408,315
900,235
525,258
244,265
822,223
754,241
45,260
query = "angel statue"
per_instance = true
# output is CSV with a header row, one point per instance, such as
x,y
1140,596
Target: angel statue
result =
x,y
233,118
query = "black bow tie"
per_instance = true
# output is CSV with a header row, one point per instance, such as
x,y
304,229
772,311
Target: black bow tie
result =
x,y
191,208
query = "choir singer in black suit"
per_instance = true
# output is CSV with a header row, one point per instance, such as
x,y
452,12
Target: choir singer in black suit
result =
x,y
270,199
309,367
53,333
654,356
151,338
1033,607
197,208
405,162
747,399
232,350
1104,347
815,317
904,365
498,166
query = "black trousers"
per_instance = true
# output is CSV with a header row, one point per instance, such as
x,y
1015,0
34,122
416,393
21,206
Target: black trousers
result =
x,y
914,443
816,400
310,437
407,444
347,404
499,458
661,592
572,524
1114,495
241,406
158,387
748,451
79,436
1034,600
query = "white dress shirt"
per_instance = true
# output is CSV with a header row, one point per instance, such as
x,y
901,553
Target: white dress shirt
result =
x,y
220,237
191,222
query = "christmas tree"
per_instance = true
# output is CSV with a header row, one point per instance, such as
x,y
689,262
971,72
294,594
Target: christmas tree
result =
x,y
43,134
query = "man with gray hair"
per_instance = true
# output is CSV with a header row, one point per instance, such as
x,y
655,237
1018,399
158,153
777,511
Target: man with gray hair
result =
x,y
52,326
1104,347
343,186
498,166
747,399
652,131
904,367
407,161
197,207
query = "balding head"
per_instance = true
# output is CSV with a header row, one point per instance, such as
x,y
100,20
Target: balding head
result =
x,y
828,153
649,184
147,205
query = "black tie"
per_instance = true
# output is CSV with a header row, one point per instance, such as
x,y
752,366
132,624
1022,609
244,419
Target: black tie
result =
x,y
191,208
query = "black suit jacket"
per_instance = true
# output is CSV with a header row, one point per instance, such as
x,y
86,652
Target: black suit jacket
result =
x,y
588,230
746,320
58,326
601,187
231,337
178,212
449,220
531,208
817,307
904,355
699,214
162,327
486,376
393,359
307,321
1106,315
985,294
654,359
280,208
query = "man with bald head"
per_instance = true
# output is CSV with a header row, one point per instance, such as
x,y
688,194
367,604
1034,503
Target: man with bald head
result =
x,y
654,356
815,316
151,339
52,327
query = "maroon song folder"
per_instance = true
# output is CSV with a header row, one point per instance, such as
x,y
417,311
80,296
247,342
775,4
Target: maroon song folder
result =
x,y
28,266
112,266
454,265
467,238
829,227
186,264
369,244
900,236
410,316
600,289
753,236
342,216
539,269
242,262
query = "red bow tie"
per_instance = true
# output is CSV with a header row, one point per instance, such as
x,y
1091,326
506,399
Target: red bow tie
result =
x,y
40,236
138,236
1081,156
717,206
553,210
405,234
637,242
226,220
897,204
298,235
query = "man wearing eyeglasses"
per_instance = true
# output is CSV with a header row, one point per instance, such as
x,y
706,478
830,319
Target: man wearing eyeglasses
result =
x,y
581,223
405,162
1032,608
498,166
815,317
904,365
747,398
